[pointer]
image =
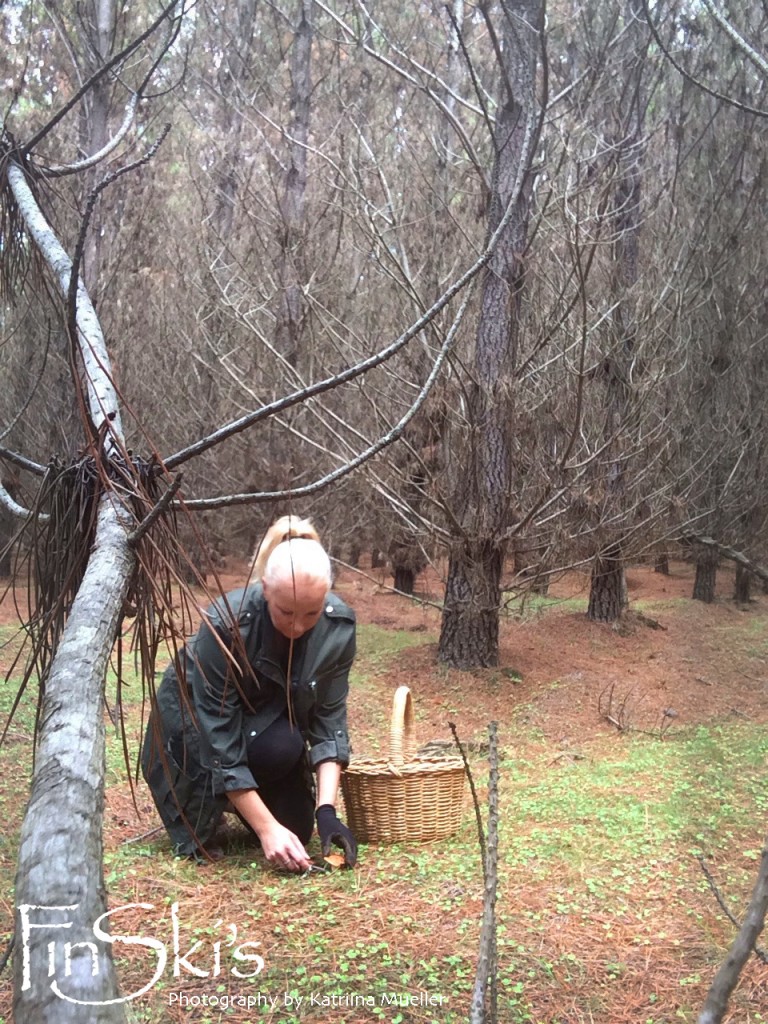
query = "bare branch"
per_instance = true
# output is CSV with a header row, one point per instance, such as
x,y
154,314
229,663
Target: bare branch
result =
x,y
135,536
237,426
12,506
759,952
695,81
749,52
113,62
373,449
102,400
486,967
743,945
59,170
22,461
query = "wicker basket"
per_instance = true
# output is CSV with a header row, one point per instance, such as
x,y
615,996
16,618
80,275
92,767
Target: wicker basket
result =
x,y
405,798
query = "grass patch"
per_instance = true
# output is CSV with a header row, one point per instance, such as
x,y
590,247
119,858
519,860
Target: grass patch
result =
x,y
376,645
525,606
602,850
665,604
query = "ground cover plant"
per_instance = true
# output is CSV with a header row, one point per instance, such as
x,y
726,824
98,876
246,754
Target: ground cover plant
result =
x,y
604,913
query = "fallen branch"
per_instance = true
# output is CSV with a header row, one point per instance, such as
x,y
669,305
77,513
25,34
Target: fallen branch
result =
x,y
616,715
730,553
760,953
727,977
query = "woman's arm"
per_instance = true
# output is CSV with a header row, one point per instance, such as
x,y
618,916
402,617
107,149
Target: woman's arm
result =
x,y
281,847
328,776
327,726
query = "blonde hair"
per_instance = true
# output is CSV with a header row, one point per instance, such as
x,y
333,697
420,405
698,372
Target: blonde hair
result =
x,y
284,528
301,560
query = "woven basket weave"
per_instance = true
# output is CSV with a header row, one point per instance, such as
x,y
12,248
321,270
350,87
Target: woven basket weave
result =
x,y
403,798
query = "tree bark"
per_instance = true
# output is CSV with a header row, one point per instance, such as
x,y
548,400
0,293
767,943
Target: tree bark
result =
x,y
742,585
706,575
469,630
608,570
61,852
61,849
608,592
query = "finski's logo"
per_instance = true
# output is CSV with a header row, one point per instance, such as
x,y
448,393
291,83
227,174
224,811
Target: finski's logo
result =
x,y
61,955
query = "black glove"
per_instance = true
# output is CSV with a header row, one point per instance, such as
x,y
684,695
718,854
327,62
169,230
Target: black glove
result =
x,y
331,830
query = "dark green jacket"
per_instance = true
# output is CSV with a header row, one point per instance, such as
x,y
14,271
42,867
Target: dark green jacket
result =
x,y
234,685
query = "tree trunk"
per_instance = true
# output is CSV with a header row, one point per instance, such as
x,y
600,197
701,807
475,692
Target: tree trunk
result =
x,y
94,134
469,633
405,579
607,604
61,852
608,592
354,553
662,563
60,874
742,585
8,525
7,533
290,310
706,575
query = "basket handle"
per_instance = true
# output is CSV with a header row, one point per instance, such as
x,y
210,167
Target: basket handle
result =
x,y
401,738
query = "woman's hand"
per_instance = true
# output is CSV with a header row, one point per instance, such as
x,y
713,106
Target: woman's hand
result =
x,y
282,848
331,830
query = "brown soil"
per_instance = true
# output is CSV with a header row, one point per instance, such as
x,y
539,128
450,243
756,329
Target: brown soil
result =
x,y
564,681
577,673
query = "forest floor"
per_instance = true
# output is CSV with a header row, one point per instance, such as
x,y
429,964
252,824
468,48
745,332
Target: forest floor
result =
x,y
630,756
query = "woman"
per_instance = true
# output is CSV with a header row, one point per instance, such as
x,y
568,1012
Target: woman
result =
x,y
230,731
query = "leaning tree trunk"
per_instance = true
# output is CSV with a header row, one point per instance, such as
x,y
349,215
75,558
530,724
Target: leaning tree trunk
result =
x,y
706,575
727,977
469,632
61,852
60,876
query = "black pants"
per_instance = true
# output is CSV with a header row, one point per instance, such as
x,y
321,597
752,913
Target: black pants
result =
x,y
278,760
